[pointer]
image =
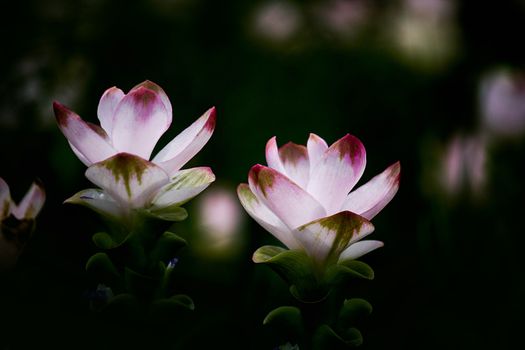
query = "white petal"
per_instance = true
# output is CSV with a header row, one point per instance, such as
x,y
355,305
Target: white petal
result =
x,y
328,237
88,139
187,144
98,201
295,162
272,155
264,217
283,197
79,155
32,202
130,180
140,120
358,249
372,197
337,172
185,185
5,200
107,106
316,148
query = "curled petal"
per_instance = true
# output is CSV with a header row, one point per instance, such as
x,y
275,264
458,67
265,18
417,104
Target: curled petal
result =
x,y
372,197
283,197
128,179
140,120
163,97
185,185
273,159
187,144
295,162
264,217
97,200
316,148
87,139
32,202
107,106
337,172
5,200
358,249
328,237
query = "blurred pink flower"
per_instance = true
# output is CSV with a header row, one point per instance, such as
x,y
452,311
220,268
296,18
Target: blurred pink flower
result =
x,y
464,165
277,20
502,103
344,17
220,218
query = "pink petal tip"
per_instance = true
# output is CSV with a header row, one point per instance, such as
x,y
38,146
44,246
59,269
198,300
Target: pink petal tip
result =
x,y
61,113
210,124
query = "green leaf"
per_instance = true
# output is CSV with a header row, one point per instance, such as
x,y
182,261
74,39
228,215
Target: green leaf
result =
x,y
348,269
140,285
123,306
287,319
173,304
181,301
167,246
103,240
358,269
353,337
100,265
170,309
171,213
267,252
293,266
326,338
354,311
296,268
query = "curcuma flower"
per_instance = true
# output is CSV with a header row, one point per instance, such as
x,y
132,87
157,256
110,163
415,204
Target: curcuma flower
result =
x,y
304,197
17,221
28,208
118,153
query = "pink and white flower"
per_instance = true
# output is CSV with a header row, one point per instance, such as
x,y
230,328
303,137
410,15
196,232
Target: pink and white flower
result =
x,y
220,220
118,152
502,103
14,235
304,197
464,165
29,206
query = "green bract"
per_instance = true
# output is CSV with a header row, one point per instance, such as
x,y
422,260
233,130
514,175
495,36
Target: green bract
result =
x,y
308,281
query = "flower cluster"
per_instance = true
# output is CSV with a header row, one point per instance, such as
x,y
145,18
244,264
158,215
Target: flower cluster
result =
x,y
305,197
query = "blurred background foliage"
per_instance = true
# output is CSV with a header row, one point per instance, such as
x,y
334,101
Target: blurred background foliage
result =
x,y
436,84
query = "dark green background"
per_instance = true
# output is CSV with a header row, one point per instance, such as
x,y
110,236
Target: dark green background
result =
x,y
451,273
